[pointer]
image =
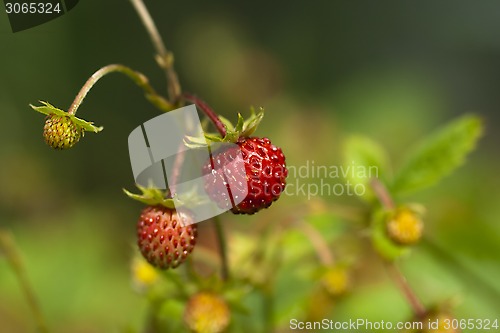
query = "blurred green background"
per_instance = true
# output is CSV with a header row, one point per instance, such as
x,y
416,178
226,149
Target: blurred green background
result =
x,y
390,70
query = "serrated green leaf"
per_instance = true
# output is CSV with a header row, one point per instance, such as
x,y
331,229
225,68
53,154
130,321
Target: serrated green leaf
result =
x,y
364,159
438,155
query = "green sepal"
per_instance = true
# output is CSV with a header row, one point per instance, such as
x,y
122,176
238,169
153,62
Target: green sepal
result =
x,y
244,128
385,247
212,137
151,196
194,142
251,124
49,110
227,123
240,124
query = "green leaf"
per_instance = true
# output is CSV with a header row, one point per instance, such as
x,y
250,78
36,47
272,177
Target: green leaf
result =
x,y
438,155
364,159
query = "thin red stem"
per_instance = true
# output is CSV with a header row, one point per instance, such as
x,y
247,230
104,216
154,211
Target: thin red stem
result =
x,y
207,110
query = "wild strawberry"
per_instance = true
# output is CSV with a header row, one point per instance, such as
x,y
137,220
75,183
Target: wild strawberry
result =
x,y
405,227
60,132
165,236
263,181
206,313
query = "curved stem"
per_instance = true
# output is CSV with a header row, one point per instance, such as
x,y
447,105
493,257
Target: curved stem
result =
x,y
221,239
208,111
164,58
140,79
8,247
318,242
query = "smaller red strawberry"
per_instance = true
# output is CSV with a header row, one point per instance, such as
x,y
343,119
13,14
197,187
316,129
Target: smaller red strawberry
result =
x,y
165,236
263,179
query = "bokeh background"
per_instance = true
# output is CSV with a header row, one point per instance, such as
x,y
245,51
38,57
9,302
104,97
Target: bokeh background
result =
x,y
391,70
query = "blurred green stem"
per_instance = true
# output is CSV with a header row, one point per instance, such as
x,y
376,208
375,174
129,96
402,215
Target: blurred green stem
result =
x,y
140,79
221,239
318,242
268,309
164,58
399,279
411,297
8,247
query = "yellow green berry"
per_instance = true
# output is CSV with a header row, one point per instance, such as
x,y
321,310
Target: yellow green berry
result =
x,y
60,132
405,227
207,312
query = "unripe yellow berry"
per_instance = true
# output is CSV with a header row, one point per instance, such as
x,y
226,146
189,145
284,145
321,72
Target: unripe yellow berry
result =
x,y
60,132
143,274
336,280
207,313
405,227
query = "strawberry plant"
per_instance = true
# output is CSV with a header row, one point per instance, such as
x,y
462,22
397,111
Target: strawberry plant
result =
x,y
297,264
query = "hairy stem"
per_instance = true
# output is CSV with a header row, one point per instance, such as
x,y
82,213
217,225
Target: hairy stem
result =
x,y
407,291
208,111
8,247
140,79
221,239
164,58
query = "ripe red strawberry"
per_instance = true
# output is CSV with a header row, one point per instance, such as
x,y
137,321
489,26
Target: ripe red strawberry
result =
x,y
264,178
165,236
